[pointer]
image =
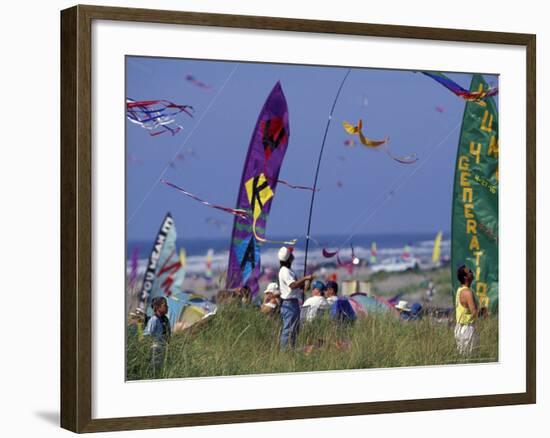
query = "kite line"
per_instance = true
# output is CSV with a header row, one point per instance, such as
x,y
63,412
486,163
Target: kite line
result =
x,y
158,179
319,165
396,184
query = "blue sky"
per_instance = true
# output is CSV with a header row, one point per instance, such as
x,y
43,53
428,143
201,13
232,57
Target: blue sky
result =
x,y
398,104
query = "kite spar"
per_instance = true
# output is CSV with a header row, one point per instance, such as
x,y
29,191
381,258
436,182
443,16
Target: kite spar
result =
x,y
319,165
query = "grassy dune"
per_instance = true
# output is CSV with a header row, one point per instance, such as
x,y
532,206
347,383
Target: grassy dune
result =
x,y
241,340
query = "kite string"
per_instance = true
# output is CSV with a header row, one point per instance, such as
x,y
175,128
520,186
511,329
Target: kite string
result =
x,y
396,184
158,179
319,165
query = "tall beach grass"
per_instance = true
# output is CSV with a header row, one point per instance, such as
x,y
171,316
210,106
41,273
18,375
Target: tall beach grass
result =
x,y
240,340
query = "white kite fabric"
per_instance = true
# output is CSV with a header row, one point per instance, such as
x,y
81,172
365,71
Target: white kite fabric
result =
x,y
156,116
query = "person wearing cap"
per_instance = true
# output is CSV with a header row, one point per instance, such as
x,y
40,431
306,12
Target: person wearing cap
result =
x,y
466,335
403,309
291,293
316,303
272,299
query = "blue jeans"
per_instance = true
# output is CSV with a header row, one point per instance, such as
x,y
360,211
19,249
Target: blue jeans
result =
x,y
290,312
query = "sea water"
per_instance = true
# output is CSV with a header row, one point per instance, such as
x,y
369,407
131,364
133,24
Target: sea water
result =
x,y
388,245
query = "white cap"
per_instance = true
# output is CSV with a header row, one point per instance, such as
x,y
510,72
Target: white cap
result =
x,y
284,253
402,305
273,288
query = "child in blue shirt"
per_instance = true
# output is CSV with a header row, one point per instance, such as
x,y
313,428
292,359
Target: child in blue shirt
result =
x,y
158,327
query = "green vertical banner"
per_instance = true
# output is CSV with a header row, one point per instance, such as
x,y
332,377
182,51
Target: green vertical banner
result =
x,y
474,240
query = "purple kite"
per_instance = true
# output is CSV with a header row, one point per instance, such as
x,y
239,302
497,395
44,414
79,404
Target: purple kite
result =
x,y
256,191
449,84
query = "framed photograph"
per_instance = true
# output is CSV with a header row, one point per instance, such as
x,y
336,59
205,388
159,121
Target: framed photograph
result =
x,y
268,219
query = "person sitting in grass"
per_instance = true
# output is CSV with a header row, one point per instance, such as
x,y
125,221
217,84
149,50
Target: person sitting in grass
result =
x,y
158,328
413,313
316,303
416,312
272,300
331,292
340,307
403,310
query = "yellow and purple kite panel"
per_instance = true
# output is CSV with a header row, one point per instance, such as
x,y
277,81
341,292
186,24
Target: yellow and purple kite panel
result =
x,y
259,180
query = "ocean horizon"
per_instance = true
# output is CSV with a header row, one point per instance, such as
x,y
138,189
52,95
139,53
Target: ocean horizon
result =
x,y
199,246
388,245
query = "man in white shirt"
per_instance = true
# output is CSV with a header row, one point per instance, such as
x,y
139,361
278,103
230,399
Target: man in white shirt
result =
x,y
316,303
291,292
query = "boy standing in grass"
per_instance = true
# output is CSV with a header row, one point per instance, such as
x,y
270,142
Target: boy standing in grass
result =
x,y
466,335
291,293
158,327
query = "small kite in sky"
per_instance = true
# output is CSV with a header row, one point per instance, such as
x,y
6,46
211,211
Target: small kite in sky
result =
x,y
406,159
440,109
178,157
452,86
349,142
196,82
348,265
358,130
329,254
235,211
375,144
339,184
156,116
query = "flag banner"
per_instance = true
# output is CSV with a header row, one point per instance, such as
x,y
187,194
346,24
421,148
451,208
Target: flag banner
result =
x,y
164,273
474,237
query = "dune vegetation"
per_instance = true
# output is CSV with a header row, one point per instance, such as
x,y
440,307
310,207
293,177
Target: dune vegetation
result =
x,y
240,340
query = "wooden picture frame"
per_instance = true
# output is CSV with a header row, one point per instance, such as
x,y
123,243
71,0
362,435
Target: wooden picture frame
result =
x,y
76,217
